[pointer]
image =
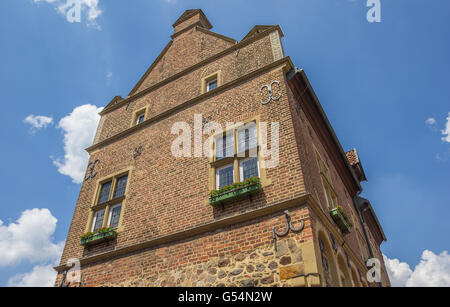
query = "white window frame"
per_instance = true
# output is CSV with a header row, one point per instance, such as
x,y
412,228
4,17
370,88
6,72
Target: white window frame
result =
x,y
221,168
243,128
139,117
209,83
225,138
241,168
111,211
94,220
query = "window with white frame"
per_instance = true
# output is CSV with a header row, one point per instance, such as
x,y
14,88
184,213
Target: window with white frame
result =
x,y
97,222
211,85
225,176
225,146
330,195
114,216
104,192
236,157
247,138
140,119
249,168
109,203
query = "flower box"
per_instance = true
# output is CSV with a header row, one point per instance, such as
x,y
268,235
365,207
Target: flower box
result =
x,y
235,194
99,238
341,220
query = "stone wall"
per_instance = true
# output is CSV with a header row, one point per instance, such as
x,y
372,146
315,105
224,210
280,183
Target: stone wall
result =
x,y
257,268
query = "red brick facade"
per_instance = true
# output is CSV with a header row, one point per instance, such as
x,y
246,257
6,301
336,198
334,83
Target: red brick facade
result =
x,y
169,234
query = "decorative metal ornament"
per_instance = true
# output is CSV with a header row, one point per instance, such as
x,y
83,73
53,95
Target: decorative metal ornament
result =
x,y
289,228
91,167
137,152
270,92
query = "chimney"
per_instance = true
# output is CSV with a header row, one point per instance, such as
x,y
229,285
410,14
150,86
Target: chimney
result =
x,y
189,19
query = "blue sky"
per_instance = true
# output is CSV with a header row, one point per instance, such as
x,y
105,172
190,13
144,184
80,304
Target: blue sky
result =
x,y
383,86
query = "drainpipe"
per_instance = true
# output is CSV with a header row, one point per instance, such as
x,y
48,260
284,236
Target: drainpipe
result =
x,y
363,224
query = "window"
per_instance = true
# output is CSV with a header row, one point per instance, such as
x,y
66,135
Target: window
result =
x,y
211,85
140,119
104,192
121,186
249,168
108,208
225,146
236,155
97,223
330,195
247,138
224,176
211,82
114,216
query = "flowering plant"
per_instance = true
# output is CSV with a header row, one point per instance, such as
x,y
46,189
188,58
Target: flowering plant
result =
x,y
87,235
234,186
342,212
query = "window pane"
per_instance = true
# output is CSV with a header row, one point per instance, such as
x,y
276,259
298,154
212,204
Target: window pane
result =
x,y
98,220
249,168
121,186
115,216
212,85
140,119
104,192
225,147
225,176
247,138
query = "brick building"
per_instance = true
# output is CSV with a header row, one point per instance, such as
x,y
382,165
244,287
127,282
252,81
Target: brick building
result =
x,y
164,228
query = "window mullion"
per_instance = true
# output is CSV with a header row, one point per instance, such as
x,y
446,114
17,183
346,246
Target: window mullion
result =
x,y
106,216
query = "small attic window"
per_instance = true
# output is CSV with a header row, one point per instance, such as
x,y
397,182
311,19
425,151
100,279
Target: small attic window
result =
x,y
211,82
212,85
139,117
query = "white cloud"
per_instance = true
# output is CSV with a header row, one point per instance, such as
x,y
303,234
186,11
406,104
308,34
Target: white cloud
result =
x,y
40,276
109,75
29,239
38,122
79,130
432,271
68,8
430,121
446,131
399,272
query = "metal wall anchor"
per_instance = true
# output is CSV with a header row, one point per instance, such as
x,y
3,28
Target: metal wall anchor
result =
x,y
289,228
137,152
91,167
270,92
